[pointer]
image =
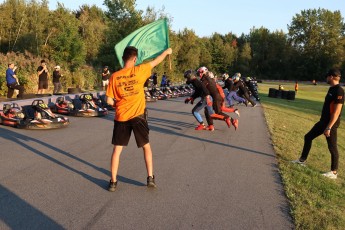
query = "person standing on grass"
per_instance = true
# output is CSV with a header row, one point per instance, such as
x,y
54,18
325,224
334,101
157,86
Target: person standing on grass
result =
x,y
56,79
43,75
13,82
328,124
296,87
125,93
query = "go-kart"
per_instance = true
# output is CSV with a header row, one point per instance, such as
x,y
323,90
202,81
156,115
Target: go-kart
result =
x,y
85,106
34,116
158,93
148,96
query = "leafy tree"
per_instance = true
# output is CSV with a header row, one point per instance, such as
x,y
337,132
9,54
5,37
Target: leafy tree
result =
x,y
188,54
92,29
318,37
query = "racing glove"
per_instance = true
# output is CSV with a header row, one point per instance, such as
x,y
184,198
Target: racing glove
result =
x,y
189,99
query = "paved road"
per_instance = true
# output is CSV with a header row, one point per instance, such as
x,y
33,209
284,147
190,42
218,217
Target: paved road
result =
x,y
57,179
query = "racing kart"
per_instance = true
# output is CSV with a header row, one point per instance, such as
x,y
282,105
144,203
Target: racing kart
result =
x,y
158,93
34,116
84,106
148,96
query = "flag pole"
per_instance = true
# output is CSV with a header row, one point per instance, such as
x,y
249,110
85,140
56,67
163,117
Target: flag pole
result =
x,y
169,61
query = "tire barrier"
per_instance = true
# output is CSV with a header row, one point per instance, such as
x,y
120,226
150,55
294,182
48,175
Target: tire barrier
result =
x,y
278,94
291,95
272,92
284,94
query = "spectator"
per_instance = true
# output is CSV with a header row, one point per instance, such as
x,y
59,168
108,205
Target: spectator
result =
x,y
328,123
154,80
43,75
296,87
164,80
105,78
12,82
56,79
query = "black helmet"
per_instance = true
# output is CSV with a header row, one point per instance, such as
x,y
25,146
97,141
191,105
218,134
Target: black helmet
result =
x,y
189,74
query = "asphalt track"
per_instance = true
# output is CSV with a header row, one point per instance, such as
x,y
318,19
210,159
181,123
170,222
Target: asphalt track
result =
x,y
57,179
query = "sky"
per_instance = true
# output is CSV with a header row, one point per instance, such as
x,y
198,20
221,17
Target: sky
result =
x,y
206,17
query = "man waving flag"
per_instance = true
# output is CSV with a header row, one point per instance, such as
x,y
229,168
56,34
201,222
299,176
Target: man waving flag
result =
x,y
150,40
126,92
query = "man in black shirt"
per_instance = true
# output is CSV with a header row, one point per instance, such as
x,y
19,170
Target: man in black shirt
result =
x,y
328,124
43,76
202,92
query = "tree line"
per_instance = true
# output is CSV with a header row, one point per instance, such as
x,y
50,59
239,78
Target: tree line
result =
x,y
82,41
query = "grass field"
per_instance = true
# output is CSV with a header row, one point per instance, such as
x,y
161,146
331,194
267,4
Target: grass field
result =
x,y
316,202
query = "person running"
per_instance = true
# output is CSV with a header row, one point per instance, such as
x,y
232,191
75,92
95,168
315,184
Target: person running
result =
x,y
242,90
328,123
234,122
232,91
199,91
125,93
210,84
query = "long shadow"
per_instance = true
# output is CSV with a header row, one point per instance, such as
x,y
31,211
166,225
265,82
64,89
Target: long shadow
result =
x,y
175,124
19,138
171,132
170,111
16,213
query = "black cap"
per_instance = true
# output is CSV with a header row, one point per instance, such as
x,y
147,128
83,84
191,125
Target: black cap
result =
x,y
335,72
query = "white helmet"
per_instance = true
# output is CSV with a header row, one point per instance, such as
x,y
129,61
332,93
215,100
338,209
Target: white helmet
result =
x,y
236,77
202,70
225,76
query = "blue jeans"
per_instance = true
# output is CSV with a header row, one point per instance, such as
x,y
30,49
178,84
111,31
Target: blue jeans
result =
x,y
199,106
233,94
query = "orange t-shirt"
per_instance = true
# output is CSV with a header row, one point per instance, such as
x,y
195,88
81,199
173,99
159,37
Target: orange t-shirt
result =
x,y
126,86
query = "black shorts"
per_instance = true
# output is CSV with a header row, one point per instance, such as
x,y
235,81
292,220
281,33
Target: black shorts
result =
x,y
43,84
123,129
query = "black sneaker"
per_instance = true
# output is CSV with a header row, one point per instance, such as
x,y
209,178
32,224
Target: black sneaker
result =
x,y
151,182
112,186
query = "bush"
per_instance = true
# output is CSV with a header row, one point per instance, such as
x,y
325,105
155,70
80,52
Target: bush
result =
x,y
84,77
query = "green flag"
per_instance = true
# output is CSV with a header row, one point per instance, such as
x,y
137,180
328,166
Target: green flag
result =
x,y
150,40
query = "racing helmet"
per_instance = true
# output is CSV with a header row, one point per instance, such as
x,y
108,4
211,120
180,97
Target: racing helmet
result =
x,y
43,105
225,76
88,97
202,70
236,77
189,74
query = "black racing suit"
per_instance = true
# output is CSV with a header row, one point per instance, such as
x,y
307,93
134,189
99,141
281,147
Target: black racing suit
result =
x,y
217,100
334,96
199,91
243,91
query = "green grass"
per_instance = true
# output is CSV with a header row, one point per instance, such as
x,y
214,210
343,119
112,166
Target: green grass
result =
x,y
316,202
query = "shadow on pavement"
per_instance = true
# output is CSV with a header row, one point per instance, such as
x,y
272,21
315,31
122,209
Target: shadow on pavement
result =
x,y
10,203
19,138
171,132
